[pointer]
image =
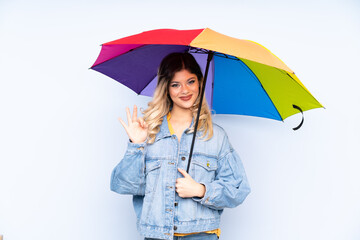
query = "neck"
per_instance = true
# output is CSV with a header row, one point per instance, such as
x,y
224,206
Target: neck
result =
x,y
181,114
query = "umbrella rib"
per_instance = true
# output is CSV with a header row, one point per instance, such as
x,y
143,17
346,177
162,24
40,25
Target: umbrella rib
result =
x,y
218,54
147,84
223,55
139,47
197,50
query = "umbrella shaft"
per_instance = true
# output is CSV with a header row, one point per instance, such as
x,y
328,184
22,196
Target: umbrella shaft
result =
x,y
210,56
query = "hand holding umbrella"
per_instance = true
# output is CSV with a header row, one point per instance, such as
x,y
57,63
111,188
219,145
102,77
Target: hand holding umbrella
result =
x,y
187,187
137,128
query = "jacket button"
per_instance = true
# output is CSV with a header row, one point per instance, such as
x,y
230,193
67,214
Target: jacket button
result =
x,y
183,158
175,204
175,227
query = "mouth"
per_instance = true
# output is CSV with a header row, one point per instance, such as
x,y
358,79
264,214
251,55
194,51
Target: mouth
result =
x,y
186,98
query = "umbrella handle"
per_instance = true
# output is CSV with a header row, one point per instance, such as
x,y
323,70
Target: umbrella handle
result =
x,y
302,121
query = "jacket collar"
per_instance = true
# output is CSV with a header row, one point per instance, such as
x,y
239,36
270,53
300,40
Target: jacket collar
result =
x,y
164,129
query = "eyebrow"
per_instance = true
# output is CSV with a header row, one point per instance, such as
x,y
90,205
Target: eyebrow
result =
x,y
178,82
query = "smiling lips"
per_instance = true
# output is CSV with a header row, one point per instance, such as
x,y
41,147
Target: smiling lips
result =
x,y
187,98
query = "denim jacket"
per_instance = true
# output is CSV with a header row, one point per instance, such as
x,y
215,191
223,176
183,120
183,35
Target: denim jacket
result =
x,y
149,173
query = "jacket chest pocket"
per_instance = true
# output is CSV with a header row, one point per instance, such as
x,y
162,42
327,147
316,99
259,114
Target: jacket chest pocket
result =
x,y
152,172
204,168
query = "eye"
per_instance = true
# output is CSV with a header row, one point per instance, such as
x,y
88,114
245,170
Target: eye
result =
x,y
174,85
191,81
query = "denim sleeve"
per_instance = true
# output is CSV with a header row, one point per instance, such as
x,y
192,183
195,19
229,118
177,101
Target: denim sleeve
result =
x,y
128,177
230,187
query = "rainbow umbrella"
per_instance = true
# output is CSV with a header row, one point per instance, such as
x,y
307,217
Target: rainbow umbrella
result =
x,y
241,76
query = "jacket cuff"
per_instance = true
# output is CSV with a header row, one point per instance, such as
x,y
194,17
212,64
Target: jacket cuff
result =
x,y
134,148
205,200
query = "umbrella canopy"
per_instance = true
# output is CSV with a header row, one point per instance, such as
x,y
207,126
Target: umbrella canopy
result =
x,y
244,77
241,72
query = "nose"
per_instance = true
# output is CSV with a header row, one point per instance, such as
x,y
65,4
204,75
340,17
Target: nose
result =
x,y
184,89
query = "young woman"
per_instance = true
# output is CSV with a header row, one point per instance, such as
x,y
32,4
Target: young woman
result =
x,y
169,202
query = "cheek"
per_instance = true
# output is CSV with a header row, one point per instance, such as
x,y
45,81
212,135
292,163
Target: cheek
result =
x,y
173,93
196,90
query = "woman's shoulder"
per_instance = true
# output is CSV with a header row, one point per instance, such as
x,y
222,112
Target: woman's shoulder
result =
x,y
219,131
222,140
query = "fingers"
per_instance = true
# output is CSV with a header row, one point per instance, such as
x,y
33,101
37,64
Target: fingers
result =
x,y
178,185
134,117
141,121
181,188
146,125
124,124
128,115
143,124
183,172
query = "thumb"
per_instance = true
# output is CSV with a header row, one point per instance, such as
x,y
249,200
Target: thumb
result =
x,y
183,172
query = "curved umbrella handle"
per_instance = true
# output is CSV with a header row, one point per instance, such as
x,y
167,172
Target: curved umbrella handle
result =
x,y
302,121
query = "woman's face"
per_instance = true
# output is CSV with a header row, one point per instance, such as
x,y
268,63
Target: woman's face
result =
x,y
184,89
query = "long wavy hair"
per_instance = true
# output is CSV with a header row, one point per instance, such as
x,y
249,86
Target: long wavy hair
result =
x,y
161,103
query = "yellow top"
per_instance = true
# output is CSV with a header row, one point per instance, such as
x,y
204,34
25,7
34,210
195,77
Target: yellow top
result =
x,y
216,231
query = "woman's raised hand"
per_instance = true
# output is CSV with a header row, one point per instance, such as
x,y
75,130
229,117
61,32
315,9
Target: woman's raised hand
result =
x,y
137,128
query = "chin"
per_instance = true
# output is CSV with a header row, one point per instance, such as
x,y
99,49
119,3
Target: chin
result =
x,y
185,106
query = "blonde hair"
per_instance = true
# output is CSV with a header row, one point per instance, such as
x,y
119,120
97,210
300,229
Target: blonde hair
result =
x,y
162,103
